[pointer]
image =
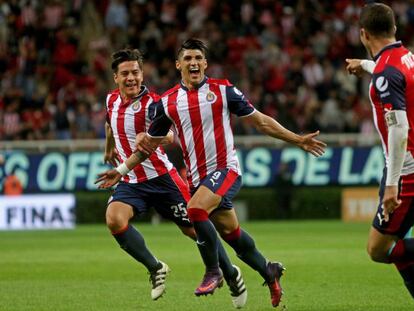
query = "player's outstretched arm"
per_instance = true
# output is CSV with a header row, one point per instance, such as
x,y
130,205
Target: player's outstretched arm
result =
x,y
168,139
110,155
359,66
271,127
145,145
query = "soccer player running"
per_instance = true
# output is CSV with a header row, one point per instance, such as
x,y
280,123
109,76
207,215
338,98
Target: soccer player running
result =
x,y
199,108
392,97
154,182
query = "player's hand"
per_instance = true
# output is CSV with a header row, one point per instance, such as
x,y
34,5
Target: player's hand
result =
x,y
312,145
390,201
108,179
111,157
143,145
354,66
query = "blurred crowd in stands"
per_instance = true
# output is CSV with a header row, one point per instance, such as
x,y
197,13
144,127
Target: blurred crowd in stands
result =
x,y
286,56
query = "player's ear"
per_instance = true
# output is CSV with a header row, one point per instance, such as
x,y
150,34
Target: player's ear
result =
x,y
395,29
205,63
363,34
115,78
178,65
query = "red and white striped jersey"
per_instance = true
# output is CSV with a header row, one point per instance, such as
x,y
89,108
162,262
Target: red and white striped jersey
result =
x,y
392,88
201,118
127,119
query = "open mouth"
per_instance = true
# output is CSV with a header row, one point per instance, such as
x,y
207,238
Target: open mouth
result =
x,y
130,85
194,72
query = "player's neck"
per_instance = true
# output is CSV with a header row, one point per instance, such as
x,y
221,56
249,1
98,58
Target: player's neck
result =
x,y
379,44
192,86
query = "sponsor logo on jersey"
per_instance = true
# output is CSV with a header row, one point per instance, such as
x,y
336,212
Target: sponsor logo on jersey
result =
x,y
381,83
211,97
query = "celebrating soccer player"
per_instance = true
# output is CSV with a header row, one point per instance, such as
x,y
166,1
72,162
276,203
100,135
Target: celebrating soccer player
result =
x,y
154,182
199,108
392,98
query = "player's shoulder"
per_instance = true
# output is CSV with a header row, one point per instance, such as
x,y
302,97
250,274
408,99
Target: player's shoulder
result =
x,y
392,58
111,93
171,91
154,96
112,96
219,82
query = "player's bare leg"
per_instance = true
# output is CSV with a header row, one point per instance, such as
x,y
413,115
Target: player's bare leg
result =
x,y
379,245
391,249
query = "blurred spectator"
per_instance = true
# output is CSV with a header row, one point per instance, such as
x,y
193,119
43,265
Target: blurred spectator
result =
x,y
12,185
288,56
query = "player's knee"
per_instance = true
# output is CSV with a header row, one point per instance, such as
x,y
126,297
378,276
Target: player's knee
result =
x,y
190,232
115,222
377,254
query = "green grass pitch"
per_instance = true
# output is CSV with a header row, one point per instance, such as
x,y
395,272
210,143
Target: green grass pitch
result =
x,y
84,269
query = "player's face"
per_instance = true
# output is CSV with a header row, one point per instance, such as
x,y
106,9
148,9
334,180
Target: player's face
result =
x,y
129,78
192,65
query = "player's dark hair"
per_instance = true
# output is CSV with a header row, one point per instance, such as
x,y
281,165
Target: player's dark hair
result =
x,y
378,19
193,44
126,55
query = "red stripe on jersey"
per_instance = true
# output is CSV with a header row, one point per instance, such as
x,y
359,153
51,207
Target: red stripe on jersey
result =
x,y
139,117
110,105
109,109
121,133
172,111
227,183
198,137
181,185
140,126
219,136
158,164
407,186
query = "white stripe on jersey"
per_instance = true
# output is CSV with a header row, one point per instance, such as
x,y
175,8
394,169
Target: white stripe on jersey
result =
x,y
232,159
146,170
184,114
206,113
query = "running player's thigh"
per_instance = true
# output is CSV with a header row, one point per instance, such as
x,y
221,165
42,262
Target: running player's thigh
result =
x,y
225,220
379,243
204,199
118,214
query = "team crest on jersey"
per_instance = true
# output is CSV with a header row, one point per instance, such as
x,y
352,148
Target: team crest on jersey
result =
x,y
211,97
136,106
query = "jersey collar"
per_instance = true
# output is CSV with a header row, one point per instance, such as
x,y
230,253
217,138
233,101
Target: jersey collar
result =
x,y
396,44
198,86
143,91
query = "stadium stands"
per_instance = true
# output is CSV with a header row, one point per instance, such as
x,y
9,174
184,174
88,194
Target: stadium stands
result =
x,y
287,57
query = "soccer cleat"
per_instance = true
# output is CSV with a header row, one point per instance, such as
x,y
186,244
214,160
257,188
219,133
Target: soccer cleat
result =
x,y
275,272
157,278
238,290
211,281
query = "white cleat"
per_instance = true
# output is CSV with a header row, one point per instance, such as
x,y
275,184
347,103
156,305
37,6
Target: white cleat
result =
x,y
157,279
238,290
